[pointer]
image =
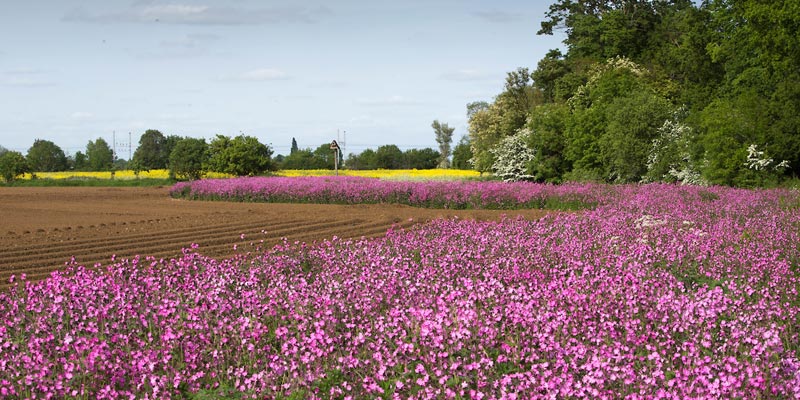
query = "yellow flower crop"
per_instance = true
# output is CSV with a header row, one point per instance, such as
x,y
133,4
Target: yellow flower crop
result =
x,y
121,174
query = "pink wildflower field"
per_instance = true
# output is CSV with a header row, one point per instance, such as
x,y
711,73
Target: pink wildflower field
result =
x,y
654,292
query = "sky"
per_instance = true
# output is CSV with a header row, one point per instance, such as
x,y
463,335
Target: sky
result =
x,y
377,72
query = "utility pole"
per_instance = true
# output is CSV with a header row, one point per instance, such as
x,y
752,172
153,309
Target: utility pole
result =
x,y
335,148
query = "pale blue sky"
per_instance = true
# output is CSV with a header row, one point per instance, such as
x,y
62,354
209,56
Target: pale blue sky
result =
x,y
73,71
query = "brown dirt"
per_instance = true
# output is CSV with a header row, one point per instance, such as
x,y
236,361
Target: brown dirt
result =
x,y
42,228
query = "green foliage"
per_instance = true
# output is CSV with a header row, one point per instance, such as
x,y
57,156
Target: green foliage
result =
x,y
670,158
633,123
426,158
365,160
604,109
325,156
187,158
12,165
294,147
320,158
99,156
504,117
389,157
80,162
548,139
152,152
302,159
240,156
484,133
46,156
462,153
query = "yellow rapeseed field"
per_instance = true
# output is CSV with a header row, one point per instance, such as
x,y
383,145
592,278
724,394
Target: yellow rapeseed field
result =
x,y
121,174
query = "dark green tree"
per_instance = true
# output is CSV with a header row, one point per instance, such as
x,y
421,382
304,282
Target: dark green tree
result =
x,y
187,158
426,158
325,156
462,153
365,160
152,152
240,156
757,45
170,141
80,162
302,159
389,157
12,165
46,156
294,147
633,123
99,156
548,140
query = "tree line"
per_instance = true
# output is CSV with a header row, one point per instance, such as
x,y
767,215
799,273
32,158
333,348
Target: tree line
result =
x,y
191,158
185,157
659,90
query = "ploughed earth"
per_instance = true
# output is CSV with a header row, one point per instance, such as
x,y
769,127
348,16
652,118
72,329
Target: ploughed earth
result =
x,y
41,229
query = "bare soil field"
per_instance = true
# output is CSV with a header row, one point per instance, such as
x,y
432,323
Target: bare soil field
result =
x,y
43,228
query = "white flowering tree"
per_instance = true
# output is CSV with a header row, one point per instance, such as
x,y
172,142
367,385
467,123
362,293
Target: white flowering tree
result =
x,y
757,160
512,156
670,159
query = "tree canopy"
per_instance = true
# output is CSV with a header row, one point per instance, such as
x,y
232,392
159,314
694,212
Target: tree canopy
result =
x,y
188,157
46,156
12,165
655,90
240,156
99,155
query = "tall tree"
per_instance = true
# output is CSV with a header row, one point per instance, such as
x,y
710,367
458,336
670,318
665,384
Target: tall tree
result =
x,y
462,154
46,156
81,162
757,44
187,158
12,165
476,106
240,156
389,157
426,158
99,155
367,159
152,152
294,147
444,137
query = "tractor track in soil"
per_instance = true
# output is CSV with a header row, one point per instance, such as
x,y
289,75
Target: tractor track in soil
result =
x,y
41,229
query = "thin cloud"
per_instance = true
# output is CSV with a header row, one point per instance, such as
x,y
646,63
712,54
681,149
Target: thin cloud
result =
x,y
25,78
497,16
24,71
389,101
186,14
81,115
257,75
188,46
465,75
191,41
